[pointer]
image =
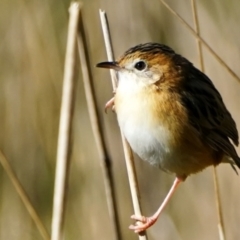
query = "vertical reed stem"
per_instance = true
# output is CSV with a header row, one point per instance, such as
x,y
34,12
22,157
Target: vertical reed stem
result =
x,y
66,114
127,150
221,230
199,44
105,162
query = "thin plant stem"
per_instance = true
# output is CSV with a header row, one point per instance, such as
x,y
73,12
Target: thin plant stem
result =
x,y
196,25
105,162
63,148
24,197
108,45
221,230
219,59
127,150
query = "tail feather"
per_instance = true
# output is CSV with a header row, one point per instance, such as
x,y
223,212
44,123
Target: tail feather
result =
x,y
234,168
233,162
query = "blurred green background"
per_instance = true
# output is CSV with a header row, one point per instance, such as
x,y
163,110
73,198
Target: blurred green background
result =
x,y
32,49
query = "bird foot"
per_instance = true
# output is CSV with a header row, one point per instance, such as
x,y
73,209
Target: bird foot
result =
x,y
110,104
144,223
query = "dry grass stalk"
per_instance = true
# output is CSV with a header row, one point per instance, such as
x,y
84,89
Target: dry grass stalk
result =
x,y
196,24
221,229
105,162
127,150
62,164
24,197
219,59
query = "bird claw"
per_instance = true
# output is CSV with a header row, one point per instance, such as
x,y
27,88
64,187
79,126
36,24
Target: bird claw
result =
x,y
109,104
142,224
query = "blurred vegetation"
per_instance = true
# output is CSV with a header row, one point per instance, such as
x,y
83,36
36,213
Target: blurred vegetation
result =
x,y
32,50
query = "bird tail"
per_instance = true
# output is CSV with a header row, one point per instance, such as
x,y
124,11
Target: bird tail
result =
x,y
237,161
233,162
234,168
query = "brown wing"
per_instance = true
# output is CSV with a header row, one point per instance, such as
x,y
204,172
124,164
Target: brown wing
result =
x,y
209,115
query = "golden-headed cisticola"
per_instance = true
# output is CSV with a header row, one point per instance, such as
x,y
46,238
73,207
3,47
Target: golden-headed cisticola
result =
x,y
171,114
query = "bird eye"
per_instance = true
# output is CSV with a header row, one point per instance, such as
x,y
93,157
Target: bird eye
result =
x,y
140,65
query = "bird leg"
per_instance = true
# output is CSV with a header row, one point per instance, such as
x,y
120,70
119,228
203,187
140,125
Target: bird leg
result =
x,y
149,221
110,103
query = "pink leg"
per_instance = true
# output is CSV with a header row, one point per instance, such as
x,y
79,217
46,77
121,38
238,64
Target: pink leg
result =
x,y
149,221
109,104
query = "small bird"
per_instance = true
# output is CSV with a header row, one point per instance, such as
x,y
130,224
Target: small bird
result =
x,y
171,115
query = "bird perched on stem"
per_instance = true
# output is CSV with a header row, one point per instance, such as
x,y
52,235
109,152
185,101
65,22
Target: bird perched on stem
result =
x,y
171,114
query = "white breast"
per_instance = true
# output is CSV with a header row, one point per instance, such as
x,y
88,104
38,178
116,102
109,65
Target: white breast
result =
x,y
147,137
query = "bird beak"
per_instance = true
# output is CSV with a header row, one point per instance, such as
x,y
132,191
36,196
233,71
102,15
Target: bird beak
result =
x,y
110,65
